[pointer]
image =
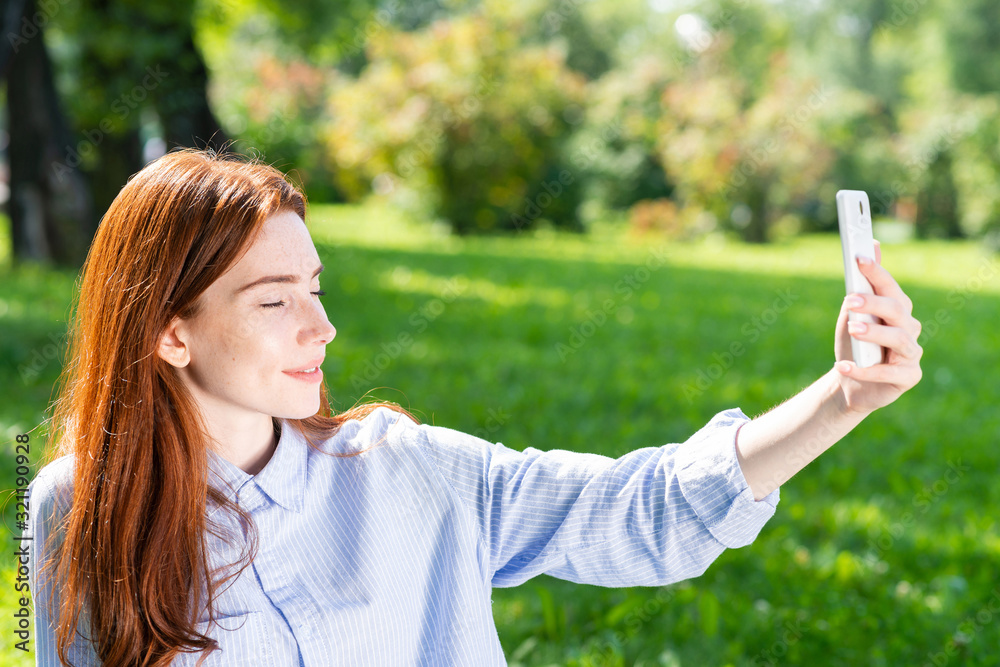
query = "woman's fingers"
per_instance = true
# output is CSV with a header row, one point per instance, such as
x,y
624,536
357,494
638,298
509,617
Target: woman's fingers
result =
x,y
841,337
898,331
883,283
894,338
900,375
889,303
890,310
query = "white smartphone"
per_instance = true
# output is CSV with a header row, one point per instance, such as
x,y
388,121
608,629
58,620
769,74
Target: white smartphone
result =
x,y
855,217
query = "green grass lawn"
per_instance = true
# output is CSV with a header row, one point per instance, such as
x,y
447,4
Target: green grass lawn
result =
x,y
882,552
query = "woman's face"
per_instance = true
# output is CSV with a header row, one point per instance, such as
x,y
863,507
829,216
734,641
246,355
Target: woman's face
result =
x,y
255,346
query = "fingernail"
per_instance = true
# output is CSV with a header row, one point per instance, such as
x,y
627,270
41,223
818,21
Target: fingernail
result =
x,y
843,367
857,327
854,301
865,260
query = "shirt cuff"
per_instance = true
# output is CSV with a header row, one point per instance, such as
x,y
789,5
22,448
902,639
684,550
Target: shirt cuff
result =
x,y
711,480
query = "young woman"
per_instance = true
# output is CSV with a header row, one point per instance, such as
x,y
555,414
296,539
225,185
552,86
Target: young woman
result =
x,y
204,506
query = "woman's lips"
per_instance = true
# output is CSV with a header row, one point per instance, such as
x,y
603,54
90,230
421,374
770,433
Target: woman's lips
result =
x,y
305,376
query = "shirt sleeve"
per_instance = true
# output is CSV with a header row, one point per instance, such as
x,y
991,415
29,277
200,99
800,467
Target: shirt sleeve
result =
x,y
49,497
652,517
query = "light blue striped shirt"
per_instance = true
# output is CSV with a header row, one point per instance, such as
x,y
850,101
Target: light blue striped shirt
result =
x,y
389,557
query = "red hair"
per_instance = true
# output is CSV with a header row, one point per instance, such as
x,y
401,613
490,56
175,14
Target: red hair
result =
x,y
134,552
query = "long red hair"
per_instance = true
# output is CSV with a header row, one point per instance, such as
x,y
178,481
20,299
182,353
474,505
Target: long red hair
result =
x,y
134,551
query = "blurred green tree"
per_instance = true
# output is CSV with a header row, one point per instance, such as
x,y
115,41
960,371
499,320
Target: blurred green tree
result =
x,y
970,169
617,144
465,116
274,66
51,216
973,44
976,167
747,160
127,71
131,73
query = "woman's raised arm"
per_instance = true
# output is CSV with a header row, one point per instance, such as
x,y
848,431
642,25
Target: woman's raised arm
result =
x,y
779,443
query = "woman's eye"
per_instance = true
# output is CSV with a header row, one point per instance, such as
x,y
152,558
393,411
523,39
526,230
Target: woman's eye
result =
x,y
279,304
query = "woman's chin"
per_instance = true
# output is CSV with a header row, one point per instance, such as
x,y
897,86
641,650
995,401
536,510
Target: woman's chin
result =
x,y
298,411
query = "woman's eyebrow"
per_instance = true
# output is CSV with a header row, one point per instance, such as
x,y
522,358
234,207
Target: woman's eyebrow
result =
x,y
287,278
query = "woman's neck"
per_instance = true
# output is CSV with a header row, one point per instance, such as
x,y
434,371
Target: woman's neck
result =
x,y
246,443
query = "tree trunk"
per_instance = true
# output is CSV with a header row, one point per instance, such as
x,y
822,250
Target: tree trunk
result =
x,y
120,157
50,209
182,100
937,202
756,231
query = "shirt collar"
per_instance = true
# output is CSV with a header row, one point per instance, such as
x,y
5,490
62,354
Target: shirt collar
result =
x,y
283,478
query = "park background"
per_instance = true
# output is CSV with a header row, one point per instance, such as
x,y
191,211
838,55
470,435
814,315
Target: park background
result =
x,y
588,225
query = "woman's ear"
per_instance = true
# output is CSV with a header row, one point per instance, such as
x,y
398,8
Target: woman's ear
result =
x,y
172,347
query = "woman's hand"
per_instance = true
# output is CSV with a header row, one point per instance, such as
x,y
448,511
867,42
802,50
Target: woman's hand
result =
x,y
867,389
773,447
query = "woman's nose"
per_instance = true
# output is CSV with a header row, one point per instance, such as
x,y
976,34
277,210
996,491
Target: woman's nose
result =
x,y
319,327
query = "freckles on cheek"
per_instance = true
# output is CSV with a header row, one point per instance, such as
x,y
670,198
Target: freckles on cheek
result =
x,y
230,351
